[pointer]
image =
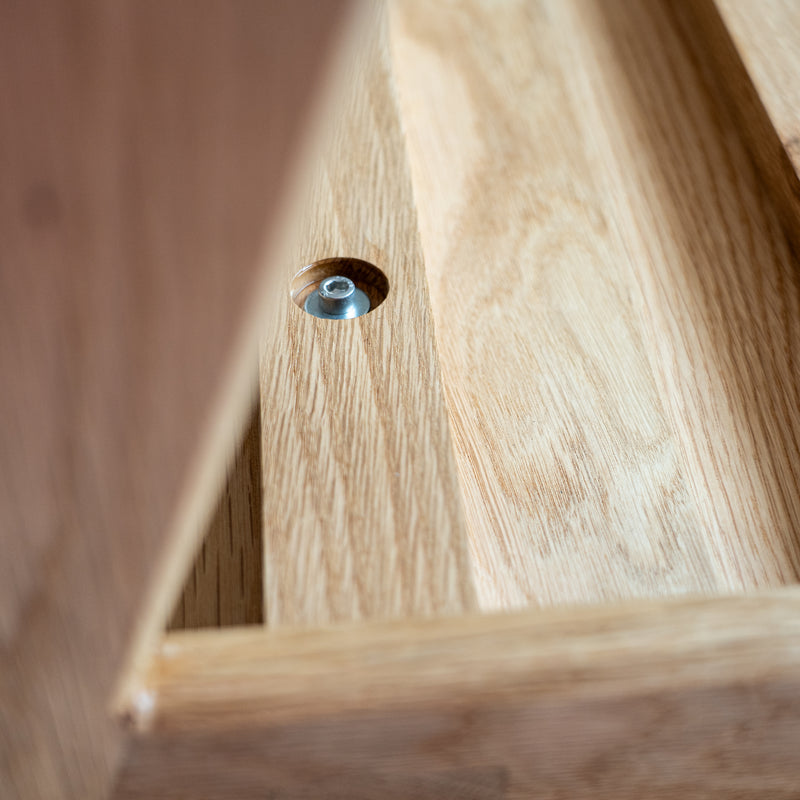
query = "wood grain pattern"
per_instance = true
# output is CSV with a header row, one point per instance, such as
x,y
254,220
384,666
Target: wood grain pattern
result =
x,y
651,700
618,309
137,140
620,372
720,283
362,512
225,586
753,49
767,35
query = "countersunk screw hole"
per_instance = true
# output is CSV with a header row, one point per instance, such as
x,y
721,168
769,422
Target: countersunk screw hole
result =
x,y
339,288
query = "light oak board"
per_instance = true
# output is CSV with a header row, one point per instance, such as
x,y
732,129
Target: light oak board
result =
x,y
616,306
652,700
362,510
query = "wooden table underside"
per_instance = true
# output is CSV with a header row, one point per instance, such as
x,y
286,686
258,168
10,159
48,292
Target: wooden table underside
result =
x,y
528,529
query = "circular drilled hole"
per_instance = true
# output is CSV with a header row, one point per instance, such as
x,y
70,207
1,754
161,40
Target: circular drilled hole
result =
x,y
364,275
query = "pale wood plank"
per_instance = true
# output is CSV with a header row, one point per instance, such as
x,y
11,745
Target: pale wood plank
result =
x,y
754,51
362,511
647,700
616,307
143,150
767,38
720,283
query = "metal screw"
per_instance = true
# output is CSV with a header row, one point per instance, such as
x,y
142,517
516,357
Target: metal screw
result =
x,y
337,297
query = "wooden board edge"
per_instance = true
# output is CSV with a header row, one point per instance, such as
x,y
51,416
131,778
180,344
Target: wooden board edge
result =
x,y
238,389
660,700
251,677
703,25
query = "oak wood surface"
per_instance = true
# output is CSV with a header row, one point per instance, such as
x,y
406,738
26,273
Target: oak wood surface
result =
x,y
225,585
720,283
616,307
623,393
144,148
754,48
636,208
766,35
362,511
655,700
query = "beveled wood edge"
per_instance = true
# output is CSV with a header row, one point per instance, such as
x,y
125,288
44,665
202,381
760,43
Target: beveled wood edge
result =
x,y
238,389
246,678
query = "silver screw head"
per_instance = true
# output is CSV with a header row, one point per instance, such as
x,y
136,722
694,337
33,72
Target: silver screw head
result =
x,y
335,293
337,297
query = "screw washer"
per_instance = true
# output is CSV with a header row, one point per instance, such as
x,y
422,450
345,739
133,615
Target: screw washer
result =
x,y
337,297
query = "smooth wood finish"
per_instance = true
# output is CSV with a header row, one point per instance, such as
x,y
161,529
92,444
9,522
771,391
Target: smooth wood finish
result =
x,y
720,284
658,701
143,158
766,36
616,307
362,512
225,586
755,50
622,387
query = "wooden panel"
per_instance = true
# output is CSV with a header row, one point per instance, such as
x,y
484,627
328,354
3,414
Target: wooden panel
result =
x,y
143,149
767,38
615,304
657,701
720,284
361,504
755,52
225,586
